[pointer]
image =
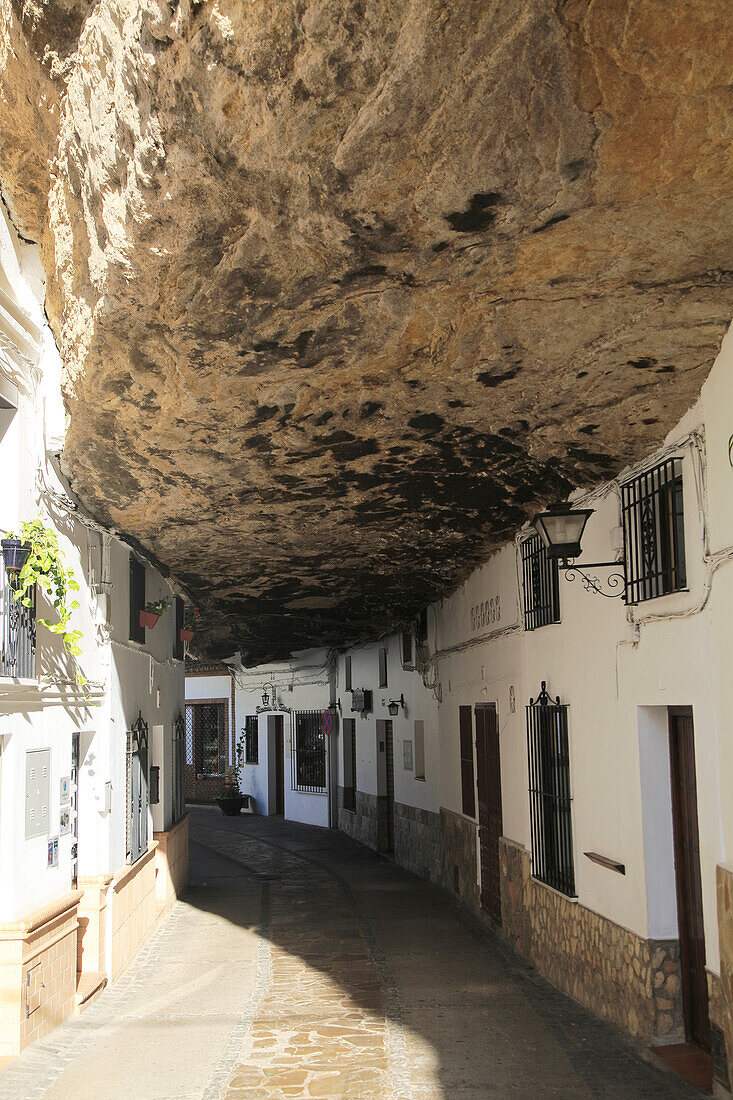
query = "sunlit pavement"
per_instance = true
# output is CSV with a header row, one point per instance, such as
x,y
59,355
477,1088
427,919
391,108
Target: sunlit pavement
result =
x,y
301,964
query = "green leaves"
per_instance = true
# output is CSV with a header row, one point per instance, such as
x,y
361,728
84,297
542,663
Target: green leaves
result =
x,y
46,569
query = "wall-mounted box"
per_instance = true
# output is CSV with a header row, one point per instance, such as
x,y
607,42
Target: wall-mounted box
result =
x,y
37,792
361,700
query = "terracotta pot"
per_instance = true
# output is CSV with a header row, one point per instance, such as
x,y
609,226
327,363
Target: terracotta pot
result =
x,y
185,635
231,805
148,619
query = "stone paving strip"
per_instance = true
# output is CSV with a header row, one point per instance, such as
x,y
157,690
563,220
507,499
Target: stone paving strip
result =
x,y
302,965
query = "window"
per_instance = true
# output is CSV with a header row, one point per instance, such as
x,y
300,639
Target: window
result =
x,y
178,652
178,772
420,750
251,739
654,533
206,736
383,668
350,765
347,673
17,633
408,660
308,760
421,632
541,588
137,599
549,793
468,782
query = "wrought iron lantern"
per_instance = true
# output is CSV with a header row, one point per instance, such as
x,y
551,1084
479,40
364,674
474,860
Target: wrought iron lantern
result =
x,y
334,708
266,696
561,528
393,706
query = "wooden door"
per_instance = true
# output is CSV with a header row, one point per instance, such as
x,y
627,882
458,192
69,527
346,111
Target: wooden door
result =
x,y
489,807
389,763
279,767
687,872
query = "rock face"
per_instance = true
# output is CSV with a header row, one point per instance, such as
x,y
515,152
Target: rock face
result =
x,y
345,289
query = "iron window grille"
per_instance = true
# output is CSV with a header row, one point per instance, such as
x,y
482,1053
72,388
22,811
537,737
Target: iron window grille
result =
x,y
206,737
137,790
308,756
179,767
654,533
137,599
541,585
408,659
251,739
350,765
17,635
550,801
383,667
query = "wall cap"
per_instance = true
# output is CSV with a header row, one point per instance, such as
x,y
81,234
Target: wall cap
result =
x,y
19,929
130,871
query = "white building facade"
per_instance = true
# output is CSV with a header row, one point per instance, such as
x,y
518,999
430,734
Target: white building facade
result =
x,y
93,836
556,750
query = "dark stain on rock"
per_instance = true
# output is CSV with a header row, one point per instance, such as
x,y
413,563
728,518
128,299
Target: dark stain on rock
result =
x,y
455,403
478,216
369,271
642,364
426,422
440,246
301,342
264,412
486,378
360,448
369,408
574,169
668,369
550,222
589,429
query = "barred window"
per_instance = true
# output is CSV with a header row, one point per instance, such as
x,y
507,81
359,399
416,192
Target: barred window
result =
x,y
408,661
654,532
251,739
549,793
541,588
308,759
206,737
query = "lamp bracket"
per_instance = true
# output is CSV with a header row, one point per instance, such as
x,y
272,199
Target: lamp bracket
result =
x,y
593,584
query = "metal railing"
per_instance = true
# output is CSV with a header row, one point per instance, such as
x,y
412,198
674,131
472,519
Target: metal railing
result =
x,y
654,536
541,588
550,800
17,635
308,757
137,790
179,767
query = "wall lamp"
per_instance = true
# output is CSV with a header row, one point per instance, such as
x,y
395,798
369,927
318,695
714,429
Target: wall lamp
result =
x,y
393,706
561,529
265,695
334,707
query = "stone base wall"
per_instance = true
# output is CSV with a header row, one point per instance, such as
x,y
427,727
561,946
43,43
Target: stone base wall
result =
x,y
363,824
721,1000
37,973
171,864
417,841
632,982
459,845
133,911
91,956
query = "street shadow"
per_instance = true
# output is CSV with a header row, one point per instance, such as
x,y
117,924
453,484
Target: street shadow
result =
x,y
473,1015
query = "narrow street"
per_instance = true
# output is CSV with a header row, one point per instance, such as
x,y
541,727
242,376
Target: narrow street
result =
x,y
301,964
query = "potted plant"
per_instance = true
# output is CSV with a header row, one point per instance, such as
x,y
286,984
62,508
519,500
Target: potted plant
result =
x,y
152,612
190,623
35,558
231,799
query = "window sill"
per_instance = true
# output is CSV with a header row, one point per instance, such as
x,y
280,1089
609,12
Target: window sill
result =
x,y
573,899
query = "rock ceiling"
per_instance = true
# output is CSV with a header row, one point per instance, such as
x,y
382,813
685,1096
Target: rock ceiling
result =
x,y
344,289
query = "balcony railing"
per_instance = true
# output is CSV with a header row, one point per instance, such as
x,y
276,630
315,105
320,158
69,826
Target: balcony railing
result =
x,y
17,636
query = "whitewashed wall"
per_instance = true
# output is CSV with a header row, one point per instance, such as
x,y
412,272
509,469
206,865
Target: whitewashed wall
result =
x,y
123,677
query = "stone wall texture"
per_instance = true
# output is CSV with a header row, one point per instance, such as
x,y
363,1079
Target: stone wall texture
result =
x,y
632,982
406,265
721,1001
417,841
459,857
363,825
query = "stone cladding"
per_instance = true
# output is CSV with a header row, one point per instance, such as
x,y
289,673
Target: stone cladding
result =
x,y
630,981
721,989
363,825
417,841
459,857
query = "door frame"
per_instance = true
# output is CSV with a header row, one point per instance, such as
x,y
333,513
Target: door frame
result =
x,y
688,877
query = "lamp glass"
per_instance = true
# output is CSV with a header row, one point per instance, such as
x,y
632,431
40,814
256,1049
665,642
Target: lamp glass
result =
x,y
265,698
561,529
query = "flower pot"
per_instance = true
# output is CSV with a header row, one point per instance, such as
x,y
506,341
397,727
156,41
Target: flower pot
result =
x,y
148,619
185,635
15,555
231,805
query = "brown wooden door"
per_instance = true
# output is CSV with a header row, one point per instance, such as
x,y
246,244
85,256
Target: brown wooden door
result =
x,y
389,762
687,871
489,807
279,766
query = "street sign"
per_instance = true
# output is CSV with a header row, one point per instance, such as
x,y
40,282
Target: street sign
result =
x,y
327,722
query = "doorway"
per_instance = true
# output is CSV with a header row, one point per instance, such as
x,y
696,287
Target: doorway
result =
x,y
489,807
688,877
385,782
276,764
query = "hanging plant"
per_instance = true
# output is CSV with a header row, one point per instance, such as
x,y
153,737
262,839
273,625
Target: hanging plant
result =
x,y
36,559
152,611
191,620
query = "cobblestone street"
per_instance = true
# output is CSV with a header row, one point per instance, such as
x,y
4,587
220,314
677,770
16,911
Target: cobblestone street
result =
x,y
301,964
